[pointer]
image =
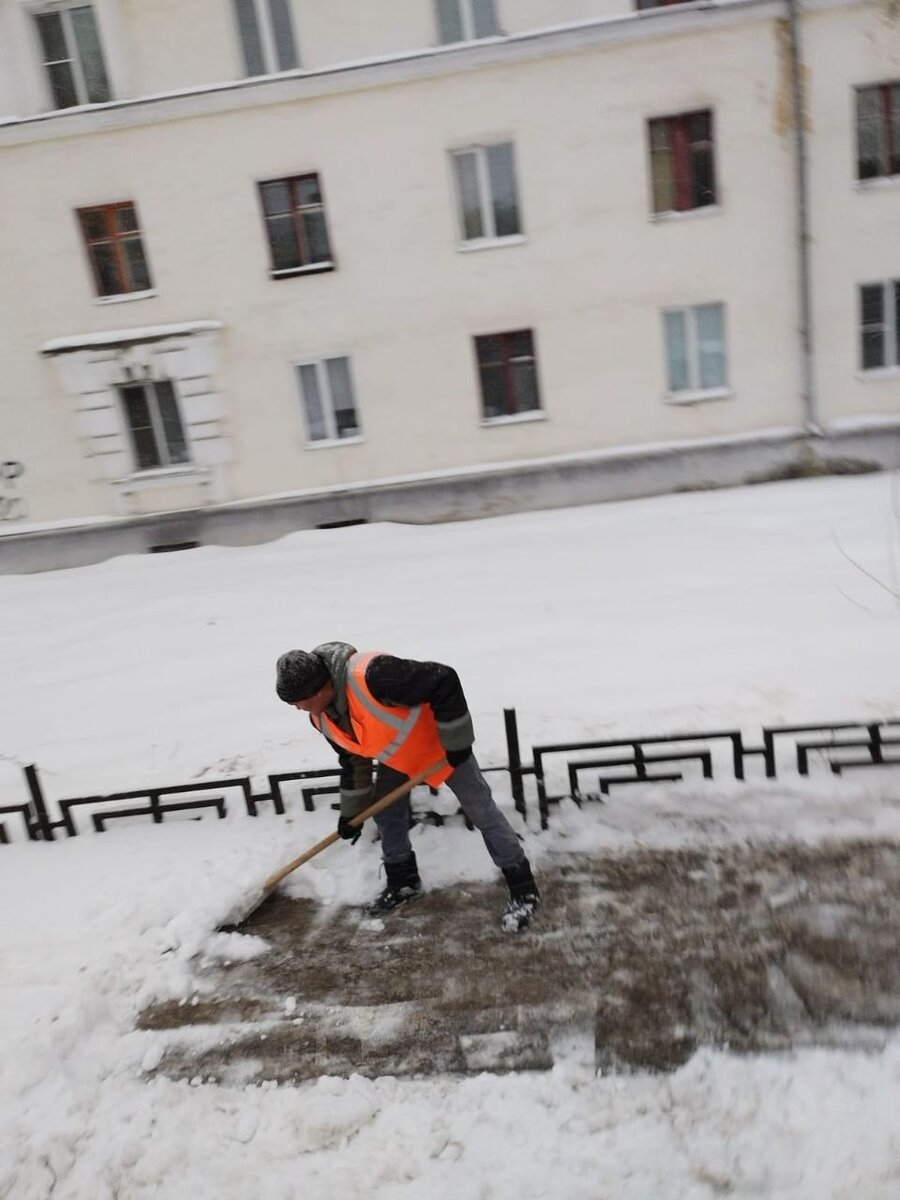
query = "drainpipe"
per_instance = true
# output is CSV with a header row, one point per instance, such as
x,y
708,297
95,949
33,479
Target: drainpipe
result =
x,y
804,237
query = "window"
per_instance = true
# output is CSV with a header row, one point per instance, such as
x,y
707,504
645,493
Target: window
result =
x,y
695,348
73,56
879,325
154,425
328,400
508,373
295,223
486,192
112,236
267,36
466,20
878,130
681,162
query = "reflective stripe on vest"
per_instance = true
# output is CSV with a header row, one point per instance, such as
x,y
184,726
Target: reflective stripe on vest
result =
x,y
412,739
402,725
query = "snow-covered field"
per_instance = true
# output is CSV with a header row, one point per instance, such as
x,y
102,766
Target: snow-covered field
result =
x,y
716,609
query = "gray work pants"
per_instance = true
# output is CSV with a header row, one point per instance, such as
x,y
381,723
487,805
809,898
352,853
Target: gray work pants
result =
x,y
471,790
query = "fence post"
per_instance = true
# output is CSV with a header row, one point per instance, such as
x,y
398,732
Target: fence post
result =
x,y
514,759
42,820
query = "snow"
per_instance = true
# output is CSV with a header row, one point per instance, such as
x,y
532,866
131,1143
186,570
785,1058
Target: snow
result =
x,y
710,610
116,337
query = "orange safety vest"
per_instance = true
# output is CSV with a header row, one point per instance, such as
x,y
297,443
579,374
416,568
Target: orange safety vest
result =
x,y
405,739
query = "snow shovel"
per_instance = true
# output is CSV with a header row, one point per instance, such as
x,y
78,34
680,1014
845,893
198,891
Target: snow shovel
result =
x,y
273,881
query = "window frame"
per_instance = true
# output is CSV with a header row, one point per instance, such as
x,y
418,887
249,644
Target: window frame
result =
x,y
507,362
695,391
320,366
466,12
304,268
112,236
79,79
268,42
681,150
889,325
157,426
888,151
486,199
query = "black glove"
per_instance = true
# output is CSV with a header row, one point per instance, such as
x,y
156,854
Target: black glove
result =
x,y
350,833
457,757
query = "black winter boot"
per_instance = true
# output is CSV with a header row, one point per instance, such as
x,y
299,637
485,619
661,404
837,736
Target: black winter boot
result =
x,y
524,897
403,884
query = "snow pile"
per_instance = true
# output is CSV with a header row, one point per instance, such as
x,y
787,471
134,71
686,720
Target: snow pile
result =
x,y
709,610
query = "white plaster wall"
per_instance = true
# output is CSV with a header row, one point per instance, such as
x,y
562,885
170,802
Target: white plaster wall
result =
x,y
516,16
8,74
26,90
590,277
334,31
856,227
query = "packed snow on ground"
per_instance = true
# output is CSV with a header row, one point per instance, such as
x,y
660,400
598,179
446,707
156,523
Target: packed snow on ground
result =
x,y
711,610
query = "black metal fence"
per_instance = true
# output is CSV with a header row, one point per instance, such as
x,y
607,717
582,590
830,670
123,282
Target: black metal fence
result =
x,y
590,768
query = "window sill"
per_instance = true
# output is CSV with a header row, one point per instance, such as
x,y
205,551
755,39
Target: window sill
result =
x,y
688,214
161,476
699,396
314,269
126,297
515,239
877,183
873,374
332,443
536,414
464,41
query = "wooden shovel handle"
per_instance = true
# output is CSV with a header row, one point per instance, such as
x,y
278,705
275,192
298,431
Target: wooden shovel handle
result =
x,y
379,805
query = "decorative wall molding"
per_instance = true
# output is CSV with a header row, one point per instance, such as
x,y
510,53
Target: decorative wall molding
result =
x,y
91,369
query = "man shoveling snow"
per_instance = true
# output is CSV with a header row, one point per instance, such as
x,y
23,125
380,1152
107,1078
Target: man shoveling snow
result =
x,y
406,715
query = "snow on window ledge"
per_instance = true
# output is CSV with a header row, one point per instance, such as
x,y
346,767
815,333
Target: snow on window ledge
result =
x,y
514,239
514,418
699,396
877,183
332,443
687,214
873,374
126,297
161,476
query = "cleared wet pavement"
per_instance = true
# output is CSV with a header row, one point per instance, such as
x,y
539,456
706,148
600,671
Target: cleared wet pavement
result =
x,y
636,960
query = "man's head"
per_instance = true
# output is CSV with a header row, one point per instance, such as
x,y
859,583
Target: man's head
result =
x,y
302,680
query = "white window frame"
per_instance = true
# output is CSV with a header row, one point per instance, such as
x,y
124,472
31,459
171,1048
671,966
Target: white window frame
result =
x,y
888,325
324,384
694,392
485,195
39,9
159,432
264,24
466,21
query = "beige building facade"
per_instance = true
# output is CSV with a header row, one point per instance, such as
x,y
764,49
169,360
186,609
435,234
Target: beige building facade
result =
x,y
451,254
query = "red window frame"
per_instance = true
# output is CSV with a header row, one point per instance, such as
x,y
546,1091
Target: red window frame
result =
x,y
115,238
503,343
293,182
682,147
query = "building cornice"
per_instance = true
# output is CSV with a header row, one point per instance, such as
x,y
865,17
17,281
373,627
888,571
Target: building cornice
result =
x,y
410,66
126,337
